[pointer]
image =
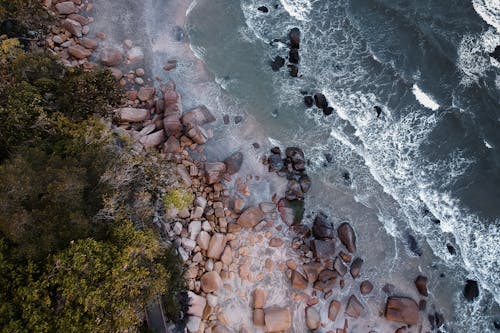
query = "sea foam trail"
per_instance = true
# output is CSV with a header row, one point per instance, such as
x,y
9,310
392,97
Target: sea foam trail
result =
x,y
424,98
298,9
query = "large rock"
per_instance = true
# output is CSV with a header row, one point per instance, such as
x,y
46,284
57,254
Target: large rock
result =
x,y
198,116
196,304
172,145
313,320
298,280
233,163
250,217
203,240
88,43
421,284
294,191
471,290
402,310
259,298
227,256
216,246
347,236
320,101
193,324
294,36
110,56
305,183
293,56
277,63
66,8
79,52
333,310
277,319
291,212
323,249
198,134
172,125
146,93
354,307
275,162
153,139
210,282
366,287
339,266
258,318
133,115
312,271
356,267
322,228
214,172
73,27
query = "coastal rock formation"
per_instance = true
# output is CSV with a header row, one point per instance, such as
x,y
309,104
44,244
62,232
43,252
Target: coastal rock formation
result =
x,y
402,310
250,217
347,236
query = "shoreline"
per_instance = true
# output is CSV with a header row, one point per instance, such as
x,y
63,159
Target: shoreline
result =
x,y
160,121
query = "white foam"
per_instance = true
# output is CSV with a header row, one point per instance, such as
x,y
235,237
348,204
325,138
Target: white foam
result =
x,y
489,10
487,144
424,98
299,9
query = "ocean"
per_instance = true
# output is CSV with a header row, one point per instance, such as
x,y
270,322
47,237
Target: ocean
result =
x,y
420,184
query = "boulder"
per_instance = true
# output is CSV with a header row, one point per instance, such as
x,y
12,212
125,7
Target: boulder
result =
x,y
66,8
133,115
275,162
325,286
277,319
216,246
298,280
354,307
73,27
172,145
339,266
333,310
79,52
193,324
258,318
250,217
80,19
323,249
214,172
471,290
233,163
146,93
275,242
347,236
322,228
88,43
294,70
312,271
198,116
294,37
227,256
402,310
198,134
305,183
293,56
356,267
210,282
294,191
196,304
153,139
291,212
263,9
496,53
110,56
277,63
313,320
366,287
259,298
172,125
203,240
421,284
320,101
135,54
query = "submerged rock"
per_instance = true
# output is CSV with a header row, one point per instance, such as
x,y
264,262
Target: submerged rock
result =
x,y
250,217
347,236
294,37
277,63
320,101
402,310
263,9
291,212
322,228
356,267
277,319
233,163
354,307
421,284
308,101
471,290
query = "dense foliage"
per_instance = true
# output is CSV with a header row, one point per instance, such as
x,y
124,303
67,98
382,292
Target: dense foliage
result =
x,y
76,250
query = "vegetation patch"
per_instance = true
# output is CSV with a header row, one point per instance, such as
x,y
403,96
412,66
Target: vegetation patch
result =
x,y
178,198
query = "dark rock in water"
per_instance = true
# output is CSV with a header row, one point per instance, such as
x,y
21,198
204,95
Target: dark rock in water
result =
x,y
356,267
432,321
389,288
277,63
263,9
354,307
295,153
322,228
233,163
291,212
422,305
439,319
346,176
294,36
339,266
347,236
421,284
293,56
402,310
276,150
496,54
323,249
328,111
451,249
378,110
471,290
200,115
225,118
305,183
308,101
496,324
320,100
329,157
256,145
275,163
294,70
303,92
238,119
412,244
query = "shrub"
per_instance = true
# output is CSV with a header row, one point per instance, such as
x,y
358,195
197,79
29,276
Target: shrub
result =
x,y
178,198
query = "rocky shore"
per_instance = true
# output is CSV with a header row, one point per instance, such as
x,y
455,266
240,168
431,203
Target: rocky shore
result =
x,y
216,232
